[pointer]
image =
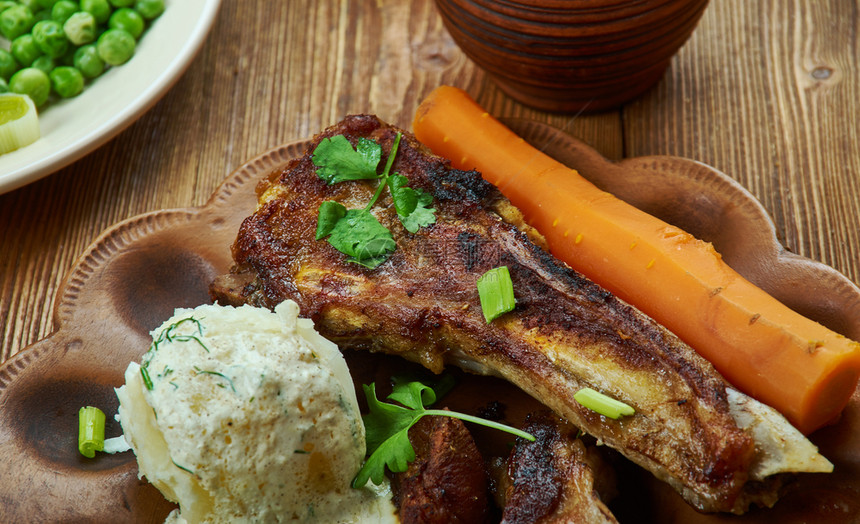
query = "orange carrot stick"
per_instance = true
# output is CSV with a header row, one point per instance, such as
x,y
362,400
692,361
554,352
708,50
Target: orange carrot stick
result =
x,y
783,359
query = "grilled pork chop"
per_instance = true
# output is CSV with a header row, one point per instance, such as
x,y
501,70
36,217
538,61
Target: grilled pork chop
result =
x,y
719,449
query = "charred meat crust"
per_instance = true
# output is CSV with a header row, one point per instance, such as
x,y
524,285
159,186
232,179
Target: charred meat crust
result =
x,y
565,333
552,479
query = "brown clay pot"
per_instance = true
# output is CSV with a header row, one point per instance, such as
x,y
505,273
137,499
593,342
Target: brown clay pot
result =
x,y
572,55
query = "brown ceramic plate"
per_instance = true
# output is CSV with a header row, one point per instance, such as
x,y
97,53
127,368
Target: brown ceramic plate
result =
x,y
137,272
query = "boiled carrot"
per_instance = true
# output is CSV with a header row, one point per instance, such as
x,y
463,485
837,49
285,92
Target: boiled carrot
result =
x,y
801,368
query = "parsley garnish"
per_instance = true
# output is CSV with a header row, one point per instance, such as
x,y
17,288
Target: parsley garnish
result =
x,y
357,232
387,426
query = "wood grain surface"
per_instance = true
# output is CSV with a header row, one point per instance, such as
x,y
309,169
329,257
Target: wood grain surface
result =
x,y
765,91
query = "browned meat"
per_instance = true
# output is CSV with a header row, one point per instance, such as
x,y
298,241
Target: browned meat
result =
x,y
566,332
447,482
553,479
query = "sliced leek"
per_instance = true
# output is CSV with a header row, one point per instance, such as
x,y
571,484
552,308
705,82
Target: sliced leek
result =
x,y
19,122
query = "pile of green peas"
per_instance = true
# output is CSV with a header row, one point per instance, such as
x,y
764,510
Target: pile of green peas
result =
x,y
57,46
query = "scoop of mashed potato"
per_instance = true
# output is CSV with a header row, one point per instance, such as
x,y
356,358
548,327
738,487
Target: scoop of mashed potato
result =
x,y
248,415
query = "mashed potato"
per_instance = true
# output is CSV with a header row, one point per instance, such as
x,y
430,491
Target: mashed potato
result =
x,y
243,414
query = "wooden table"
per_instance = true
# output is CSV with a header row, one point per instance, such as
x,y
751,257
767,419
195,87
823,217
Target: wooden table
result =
x,y
766,91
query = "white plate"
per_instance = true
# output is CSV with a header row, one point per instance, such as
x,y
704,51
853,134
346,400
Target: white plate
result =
x,y
74,127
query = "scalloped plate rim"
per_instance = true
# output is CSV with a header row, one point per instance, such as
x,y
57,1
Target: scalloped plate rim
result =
x,y
277,157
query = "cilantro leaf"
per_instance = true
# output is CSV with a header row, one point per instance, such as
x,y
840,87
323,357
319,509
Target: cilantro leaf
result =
x,y
412,394
422,215
387,433
384,419
387,426
412,205
330,212
338,161
359,235
405,198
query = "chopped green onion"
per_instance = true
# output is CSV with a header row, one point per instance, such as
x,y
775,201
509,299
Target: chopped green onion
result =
x,y
91,431
147,381
606,406
496,292
183,468
217,374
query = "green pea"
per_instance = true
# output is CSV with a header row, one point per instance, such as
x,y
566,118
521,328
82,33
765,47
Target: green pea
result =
x,y
68,56
100,9
32,5
33,83
8,64
67,81
15,21
128,19
45,63
42,14
4,87
149,9
115,46
47,4
88,61
81,28
25,49
121,3
50,38
63,9
5,4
